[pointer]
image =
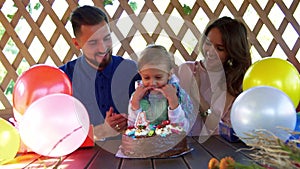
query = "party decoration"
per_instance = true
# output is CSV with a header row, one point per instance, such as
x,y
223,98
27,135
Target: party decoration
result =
x,y
54,125
277,73
297,129
38,81
9,141
263,107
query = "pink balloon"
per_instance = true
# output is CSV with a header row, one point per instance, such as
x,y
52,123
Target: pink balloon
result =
x,y
54,125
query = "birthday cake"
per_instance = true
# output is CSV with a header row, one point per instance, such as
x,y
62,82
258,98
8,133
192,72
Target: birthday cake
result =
x,y
155,141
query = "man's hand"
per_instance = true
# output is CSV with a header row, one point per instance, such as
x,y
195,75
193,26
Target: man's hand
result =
x,y
116,121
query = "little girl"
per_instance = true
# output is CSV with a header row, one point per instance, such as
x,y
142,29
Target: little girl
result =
x,y
159,96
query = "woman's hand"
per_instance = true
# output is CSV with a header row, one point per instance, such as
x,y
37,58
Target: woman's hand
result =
x,y
203,105
195,68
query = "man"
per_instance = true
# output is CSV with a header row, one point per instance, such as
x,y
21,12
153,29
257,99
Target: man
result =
x,y
101,81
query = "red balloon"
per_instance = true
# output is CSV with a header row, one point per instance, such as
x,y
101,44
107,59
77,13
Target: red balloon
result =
x,y
38,81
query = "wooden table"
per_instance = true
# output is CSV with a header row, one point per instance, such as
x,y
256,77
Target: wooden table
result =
x,y
98,158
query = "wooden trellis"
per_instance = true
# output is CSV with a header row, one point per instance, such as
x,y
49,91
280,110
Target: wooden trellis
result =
x,y
161,16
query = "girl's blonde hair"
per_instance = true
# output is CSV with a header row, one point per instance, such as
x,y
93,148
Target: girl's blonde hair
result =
x,y
155,55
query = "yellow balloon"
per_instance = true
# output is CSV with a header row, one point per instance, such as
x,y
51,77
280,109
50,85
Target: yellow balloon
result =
x,y
9,141
277,73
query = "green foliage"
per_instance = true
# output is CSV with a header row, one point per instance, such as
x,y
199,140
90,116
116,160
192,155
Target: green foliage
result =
x,y
11,47
22,68
10,16
37,6
108,2
29,8
186,9
2,30
10,88
133,5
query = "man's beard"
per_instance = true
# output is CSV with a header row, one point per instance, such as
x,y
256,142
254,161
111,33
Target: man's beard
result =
x,y
106,60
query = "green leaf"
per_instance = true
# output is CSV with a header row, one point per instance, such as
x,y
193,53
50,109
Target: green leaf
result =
x,y
10,88
10,16
133,5
37,6
186,9
107,2
29,8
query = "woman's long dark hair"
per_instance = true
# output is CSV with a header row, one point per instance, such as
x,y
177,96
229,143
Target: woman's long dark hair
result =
x,y
234,37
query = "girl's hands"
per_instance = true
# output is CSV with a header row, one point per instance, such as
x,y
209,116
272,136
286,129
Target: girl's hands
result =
x,y
139,93
170,92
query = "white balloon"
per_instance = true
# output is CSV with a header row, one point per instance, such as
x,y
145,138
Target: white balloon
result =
x,y
263,107
54,125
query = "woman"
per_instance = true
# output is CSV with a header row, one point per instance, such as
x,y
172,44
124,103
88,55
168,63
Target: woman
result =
x,y
219,76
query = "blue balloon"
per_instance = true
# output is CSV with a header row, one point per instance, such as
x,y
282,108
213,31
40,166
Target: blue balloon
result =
x,y
297,129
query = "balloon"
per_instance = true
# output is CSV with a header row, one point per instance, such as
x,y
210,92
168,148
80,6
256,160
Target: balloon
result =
x,y
297,129
9,141
263,107
54,125
38,81
277,73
